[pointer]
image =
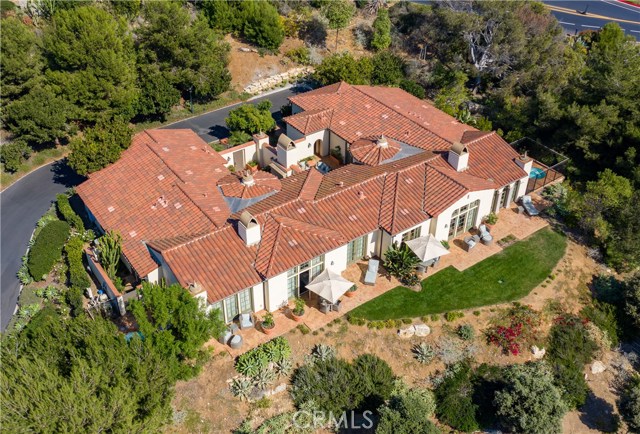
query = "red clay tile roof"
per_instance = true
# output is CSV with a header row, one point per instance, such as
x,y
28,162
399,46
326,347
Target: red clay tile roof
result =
x,y
219,261
171,199
233,185
371,153
162,186
365,111
311,121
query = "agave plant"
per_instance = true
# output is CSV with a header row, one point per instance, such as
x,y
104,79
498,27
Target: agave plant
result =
x,y
264,378
251,363
24,276
323,352
424,353
283,367
400,261
241,387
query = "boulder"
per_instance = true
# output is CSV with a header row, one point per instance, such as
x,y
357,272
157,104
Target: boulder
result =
x,y
245,50
598,367
422,330
538,353
407,332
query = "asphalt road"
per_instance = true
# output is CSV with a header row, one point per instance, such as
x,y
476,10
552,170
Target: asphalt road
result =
x,y
21,205
211,126
598,13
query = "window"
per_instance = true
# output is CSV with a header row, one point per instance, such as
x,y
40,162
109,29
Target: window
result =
x,y
412,234
516,189
356,249
300,275
244,300
463,219
235,304
231,307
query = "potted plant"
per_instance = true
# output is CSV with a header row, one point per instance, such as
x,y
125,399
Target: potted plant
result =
x,y
253,166
298,309
490,220
445,244
268,323
352,291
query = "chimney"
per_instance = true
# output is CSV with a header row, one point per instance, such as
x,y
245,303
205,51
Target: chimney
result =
x,y
525,162
261,140
249,229
458,157
382,142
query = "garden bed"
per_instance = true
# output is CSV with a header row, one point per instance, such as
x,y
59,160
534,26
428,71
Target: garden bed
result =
x,y
506,276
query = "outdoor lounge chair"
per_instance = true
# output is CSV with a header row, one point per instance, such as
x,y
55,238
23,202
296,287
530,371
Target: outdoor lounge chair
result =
x,y
245,321
372,272
529,206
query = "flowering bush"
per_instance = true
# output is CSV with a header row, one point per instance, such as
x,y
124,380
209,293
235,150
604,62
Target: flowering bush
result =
x,y
516,328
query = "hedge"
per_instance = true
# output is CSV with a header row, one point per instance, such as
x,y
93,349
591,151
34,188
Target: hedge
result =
x,y
68,214
47,249
78,277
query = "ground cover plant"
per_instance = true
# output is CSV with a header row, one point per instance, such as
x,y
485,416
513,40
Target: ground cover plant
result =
x,y
506,276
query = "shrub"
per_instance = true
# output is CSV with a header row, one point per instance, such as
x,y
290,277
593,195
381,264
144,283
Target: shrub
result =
x,y
354,320
630,403
329,383
257,359
375,380
454,315
251,118
465,332
299,55
605,317
47,249
570,348
74,299
304,329
381,31
78,277
516,327
631,295
13,155
530,402
408,412
323,352
424,353
68,214
418,91
400,261
455,406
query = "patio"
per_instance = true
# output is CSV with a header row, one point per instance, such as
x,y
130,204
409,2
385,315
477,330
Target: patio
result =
x,y
509,223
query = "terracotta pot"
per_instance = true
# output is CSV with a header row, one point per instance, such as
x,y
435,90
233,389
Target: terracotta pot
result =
x,y
350,293
312,162
297,318
253,169
267,331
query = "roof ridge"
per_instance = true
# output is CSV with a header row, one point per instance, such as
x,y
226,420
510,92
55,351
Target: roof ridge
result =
x,y
483,136
401,114
449,177
194,238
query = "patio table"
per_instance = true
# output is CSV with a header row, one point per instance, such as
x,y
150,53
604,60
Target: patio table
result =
x,y
235,342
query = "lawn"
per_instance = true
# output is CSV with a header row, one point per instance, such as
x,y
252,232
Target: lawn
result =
x,y
506,276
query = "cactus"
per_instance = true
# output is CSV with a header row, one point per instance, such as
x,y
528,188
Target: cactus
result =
x,y
110,251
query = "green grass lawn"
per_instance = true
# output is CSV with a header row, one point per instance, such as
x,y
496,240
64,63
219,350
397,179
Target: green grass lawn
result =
x,y
506,276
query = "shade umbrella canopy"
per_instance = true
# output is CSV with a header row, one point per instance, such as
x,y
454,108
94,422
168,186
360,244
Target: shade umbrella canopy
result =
x,y
329,285
427,248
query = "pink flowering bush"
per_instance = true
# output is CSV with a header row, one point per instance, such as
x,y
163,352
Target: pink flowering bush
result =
x,y
515,328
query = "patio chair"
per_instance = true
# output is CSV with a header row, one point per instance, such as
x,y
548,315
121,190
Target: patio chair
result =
x,y
245,321
471,242
529,206
483,230
336,306
226,337
372,272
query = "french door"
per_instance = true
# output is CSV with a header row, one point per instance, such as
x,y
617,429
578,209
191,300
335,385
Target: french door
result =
x,y
356,249
463,219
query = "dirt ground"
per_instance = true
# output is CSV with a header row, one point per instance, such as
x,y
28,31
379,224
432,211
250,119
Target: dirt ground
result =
x,y
207,405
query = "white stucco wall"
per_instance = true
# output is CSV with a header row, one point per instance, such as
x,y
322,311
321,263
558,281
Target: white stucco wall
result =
x,y
444,218
338,257
276,292
424,231
249,149
336,140
257,293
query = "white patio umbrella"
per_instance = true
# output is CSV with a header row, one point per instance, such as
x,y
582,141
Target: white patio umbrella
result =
x,y
329,285
427,248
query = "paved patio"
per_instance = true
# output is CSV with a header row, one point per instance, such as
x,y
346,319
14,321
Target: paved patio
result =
x,y
509,223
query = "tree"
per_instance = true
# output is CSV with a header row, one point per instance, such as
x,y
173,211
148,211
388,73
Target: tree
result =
x,y
413,88
251,118
92,61
221,15
454,398
630,403
99,382
189,54
388,69
21,61
13,154
530,402
99,146
407,412
343,67
127,8
339,14
375,379
175,323
262,24
39,117
631,297
381,31
157,94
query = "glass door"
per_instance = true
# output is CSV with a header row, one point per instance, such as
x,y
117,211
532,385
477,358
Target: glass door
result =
x,y
355,249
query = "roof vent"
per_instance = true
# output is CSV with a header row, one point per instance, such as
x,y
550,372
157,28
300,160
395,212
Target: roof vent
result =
x,y
133,234
361,195
340,184
111,209
458,156
382,142
160,177
165,149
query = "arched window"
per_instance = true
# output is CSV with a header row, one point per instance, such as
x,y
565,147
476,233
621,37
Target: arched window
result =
x,y
317,148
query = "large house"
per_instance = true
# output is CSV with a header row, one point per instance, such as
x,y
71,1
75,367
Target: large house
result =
x,y
250,241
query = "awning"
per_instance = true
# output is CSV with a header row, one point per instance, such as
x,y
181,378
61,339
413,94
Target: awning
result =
x,y
427,248
329,285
